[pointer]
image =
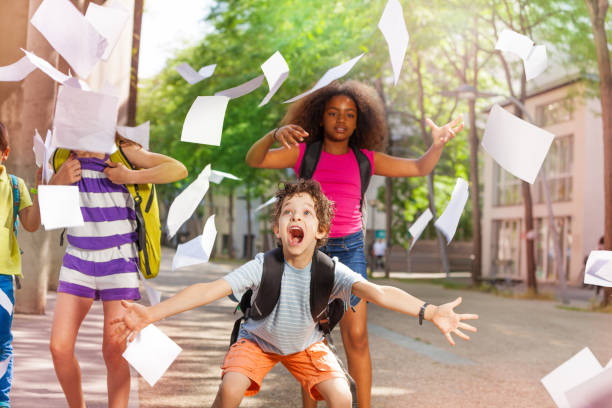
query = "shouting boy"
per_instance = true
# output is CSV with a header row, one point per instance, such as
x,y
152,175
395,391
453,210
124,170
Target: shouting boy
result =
x,y
289,334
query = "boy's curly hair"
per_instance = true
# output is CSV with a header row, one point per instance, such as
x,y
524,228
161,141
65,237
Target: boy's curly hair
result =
x,y
323,206
3,137
371,131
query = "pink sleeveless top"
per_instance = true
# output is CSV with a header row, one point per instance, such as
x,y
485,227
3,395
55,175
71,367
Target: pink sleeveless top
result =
x,y
341,183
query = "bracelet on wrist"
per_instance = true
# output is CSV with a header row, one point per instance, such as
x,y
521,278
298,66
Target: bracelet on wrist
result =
x,y
33,190
422,312
274,134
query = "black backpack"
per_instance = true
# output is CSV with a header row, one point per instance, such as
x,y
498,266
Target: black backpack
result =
x,y
326,314
311,160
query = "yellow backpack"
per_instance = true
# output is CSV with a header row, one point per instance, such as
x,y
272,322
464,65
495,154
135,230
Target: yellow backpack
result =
x,y
147,214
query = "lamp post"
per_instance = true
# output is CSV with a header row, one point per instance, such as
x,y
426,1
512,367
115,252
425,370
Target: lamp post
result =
x,y
470,93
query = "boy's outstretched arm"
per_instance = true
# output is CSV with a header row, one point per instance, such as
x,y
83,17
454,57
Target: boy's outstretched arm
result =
x,y
137,316
443,316
30,216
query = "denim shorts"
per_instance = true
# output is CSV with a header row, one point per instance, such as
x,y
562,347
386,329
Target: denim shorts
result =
x,y
349,250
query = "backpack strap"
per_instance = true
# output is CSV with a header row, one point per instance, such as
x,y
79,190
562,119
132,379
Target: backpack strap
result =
x,y
16,201
310,160
270,285
365,170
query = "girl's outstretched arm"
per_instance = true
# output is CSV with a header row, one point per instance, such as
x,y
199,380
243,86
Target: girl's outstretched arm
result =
x,y
137,316
153,168
390,166
260,155
392,298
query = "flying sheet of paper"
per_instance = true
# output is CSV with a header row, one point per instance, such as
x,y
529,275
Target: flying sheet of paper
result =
x,y
609,364
151,342
594,392
574,371
4,366
59,206
70,34
39,149
276,71
17,71
109,21
6,303
264,205
191,76
393,28
187,201
45,67
448,221
139,134
536,63
153,294
419,225
516,145
598,269
204,121
197,250
331,75
218,176
43,152
85,120
515,43
241,90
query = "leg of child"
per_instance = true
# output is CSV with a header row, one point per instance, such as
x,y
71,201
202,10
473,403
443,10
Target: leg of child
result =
x,y
70,310
354,330
118,369
231,390
336,392
6,338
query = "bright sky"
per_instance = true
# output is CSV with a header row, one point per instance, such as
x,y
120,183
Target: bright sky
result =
x,y
168,26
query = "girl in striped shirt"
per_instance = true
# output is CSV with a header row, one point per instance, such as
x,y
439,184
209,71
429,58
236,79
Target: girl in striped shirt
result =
x,y
101,260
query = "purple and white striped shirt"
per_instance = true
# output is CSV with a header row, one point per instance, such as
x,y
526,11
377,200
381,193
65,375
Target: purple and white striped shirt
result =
x,y
107,208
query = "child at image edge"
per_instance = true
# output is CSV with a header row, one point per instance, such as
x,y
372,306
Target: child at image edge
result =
x,y
289,335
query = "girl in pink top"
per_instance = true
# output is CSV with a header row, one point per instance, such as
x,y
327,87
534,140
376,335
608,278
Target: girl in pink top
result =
x,y
345,115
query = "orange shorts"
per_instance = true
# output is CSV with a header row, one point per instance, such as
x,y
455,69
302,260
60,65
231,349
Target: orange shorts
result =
x,y
310,367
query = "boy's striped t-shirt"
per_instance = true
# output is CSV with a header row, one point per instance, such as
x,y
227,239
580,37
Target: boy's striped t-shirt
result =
x,y
107,208
290,327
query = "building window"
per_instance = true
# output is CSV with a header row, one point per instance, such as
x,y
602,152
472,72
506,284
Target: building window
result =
x,y
507,188
506,249
546,269
555,112
559,165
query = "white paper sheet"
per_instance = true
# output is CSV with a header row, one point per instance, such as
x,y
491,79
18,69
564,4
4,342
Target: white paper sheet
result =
x,y
609,364
204,121
448,221
42,153
39,149
331,75
417,228
598,269
515,43
264,205
153,294
241,90
197,250
109,21
6,303
59,206
85,120
516,145
151,342
276,71
593,393
218,176
574,371
70,34
17,71
45,67
187,201
393,28
191,76
139,134
536,63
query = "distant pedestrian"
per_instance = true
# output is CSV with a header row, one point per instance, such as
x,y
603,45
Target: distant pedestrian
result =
x,y
379,248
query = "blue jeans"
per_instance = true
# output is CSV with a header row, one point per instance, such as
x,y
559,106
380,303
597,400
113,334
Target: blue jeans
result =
x,y
6,337
349,250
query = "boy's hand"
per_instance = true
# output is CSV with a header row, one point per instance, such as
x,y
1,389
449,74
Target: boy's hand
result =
x,y
69,173
118,173
448,321
290,135
443,134
136,318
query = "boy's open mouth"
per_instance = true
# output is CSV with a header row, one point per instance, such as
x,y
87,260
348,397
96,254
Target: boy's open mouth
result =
x,y
296,235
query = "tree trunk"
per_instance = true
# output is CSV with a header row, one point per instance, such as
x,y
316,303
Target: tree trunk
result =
x,y
388,220
230,234
475,196
133,96
597,12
